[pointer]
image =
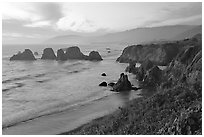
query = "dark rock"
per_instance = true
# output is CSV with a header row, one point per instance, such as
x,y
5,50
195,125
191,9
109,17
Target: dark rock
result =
x,y
61,55
103,74
123,84
111,84
26,55
146,65
36,53
153,76
94,55
141,71
158,54
131,68
48,53
74,53
103,84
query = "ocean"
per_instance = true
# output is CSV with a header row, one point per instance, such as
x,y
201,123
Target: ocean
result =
x,y
33,91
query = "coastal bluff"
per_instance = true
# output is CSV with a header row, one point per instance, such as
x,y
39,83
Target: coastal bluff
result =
x,y
160,54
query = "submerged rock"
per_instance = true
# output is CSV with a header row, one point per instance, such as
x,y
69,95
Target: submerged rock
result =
x,y
111,84
94,55
123,84
103,84
61,55
26,55
36,53
48,53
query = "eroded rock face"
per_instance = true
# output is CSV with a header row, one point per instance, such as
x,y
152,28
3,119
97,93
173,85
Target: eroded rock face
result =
x,y
94,55
26,55
61,55
153,76
142,70
74,53
158,54
123,84
48,53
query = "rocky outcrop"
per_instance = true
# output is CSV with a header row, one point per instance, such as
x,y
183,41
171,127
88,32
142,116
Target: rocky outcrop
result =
x,y
36,53
103,74
48,53
94,56
159,54
74,53
26,55
123,84
131,68
153,76
61,55
103,84
140,72
111,84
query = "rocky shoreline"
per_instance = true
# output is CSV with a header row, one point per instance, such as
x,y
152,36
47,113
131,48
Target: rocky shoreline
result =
x,y
175,108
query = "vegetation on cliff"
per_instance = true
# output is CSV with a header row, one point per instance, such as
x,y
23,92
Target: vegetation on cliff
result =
x,y
175,108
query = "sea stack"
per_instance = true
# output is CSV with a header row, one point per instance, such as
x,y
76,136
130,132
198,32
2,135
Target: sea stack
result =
x,y
74,53
26,55
48,53
61,55
123,84
95,56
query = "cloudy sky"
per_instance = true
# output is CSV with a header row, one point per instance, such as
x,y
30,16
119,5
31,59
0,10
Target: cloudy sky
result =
x,y
35,22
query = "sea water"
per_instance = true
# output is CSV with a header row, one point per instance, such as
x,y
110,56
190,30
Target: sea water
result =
x,y
32,89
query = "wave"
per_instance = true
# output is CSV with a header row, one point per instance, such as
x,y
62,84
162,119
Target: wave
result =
x,y
15,79
45,111
18,85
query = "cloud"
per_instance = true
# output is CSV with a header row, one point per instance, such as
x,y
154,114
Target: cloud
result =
x,y
39,24
76,22
48,10
37,14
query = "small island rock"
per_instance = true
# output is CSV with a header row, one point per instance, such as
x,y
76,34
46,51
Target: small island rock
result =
x,y
26,55
48,53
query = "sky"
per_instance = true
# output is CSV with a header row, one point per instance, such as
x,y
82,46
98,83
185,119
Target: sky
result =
x,y
38,21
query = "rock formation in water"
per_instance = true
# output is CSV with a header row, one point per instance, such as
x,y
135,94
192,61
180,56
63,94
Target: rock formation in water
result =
x,y
36,53
26,55
103,74
75,53
94,56
103,84
48,53
111,84
123,84
61,55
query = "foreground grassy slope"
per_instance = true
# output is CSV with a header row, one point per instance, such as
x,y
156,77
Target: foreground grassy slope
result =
x,y
176,107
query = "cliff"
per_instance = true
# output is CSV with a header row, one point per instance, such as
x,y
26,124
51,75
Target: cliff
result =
x,y
160,54
174,109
